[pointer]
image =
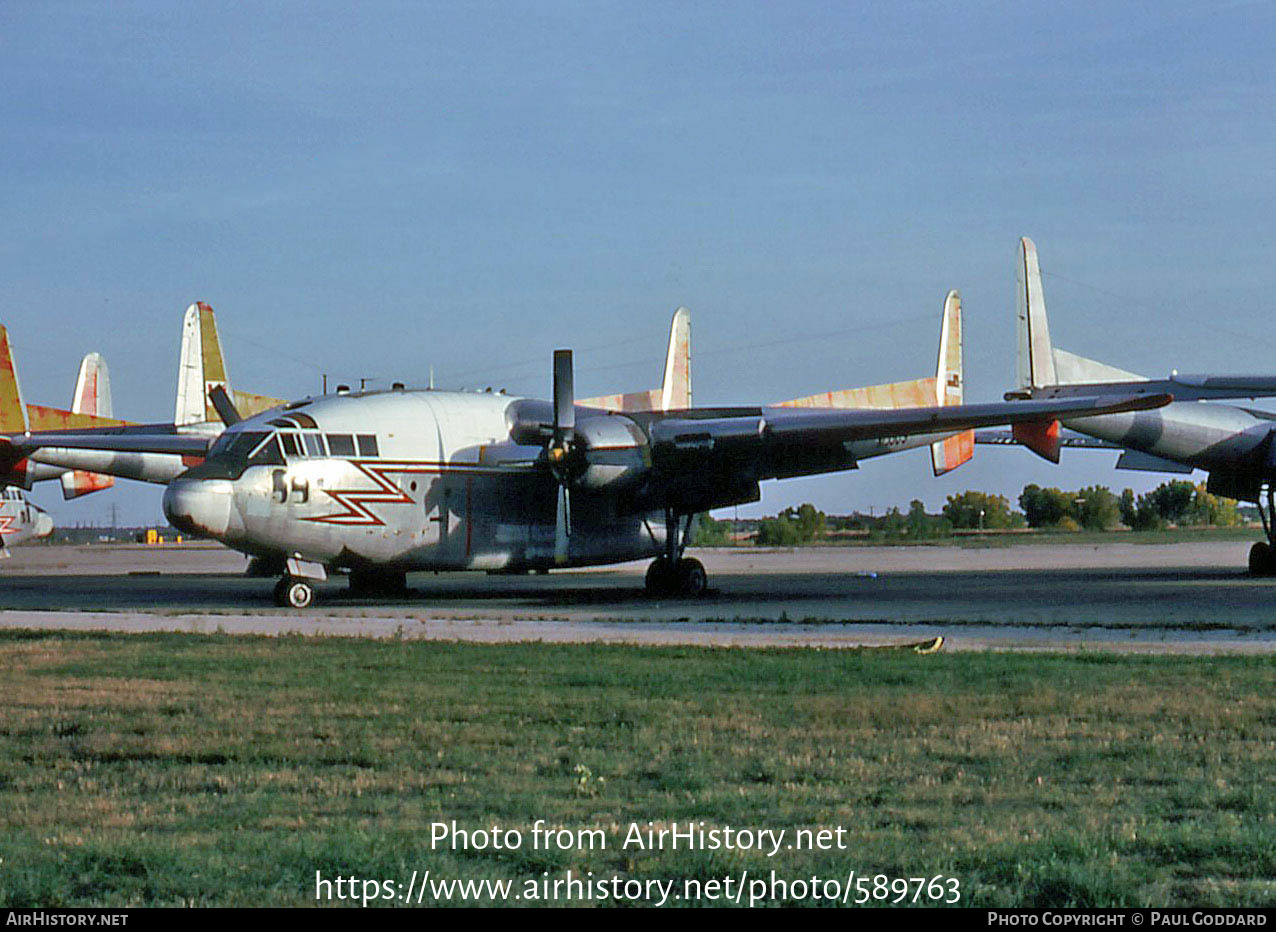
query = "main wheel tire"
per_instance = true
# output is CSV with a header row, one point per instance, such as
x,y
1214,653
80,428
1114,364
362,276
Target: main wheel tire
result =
x,y
691,577
659,581
1262,559
294,593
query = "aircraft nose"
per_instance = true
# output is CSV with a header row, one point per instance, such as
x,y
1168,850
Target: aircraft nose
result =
x,y
199,506
43,525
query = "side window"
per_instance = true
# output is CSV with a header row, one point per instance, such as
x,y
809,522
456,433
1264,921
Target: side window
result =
x,y
314,444
291,447
341,444
368,445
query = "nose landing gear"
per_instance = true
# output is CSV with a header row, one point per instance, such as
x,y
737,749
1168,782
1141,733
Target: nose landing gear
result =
x,y
293,593
296,588
674,574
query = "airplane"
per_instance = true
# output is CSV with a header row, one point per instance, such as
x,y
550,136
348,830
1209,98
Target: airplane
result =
x,y
202,368
90,408
379,483
1234,444
20,520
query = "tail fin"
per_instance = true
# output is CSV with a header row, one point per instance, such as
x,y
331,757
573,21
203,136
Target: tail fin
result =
x,y
1039,364
13,410
202,367
946,455
944,388
675,390
92,396
1036,355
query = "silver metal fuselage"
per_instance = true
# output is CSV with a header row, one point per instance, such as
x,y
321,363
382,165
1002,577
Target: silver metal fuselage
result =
x,y
20,520
1199,434
446,490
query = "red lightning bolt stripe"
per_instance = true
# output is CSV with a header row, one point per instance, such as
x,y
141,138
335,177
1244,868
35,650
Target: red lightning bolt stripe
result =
x,y
356,501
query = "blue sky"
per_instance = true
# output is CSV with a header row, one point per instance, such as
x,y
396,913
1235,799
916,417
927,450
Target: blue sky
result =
x,y
370,190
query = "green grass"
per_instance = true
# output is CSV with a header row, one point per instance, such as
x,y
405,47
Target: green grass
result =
x,y
175,769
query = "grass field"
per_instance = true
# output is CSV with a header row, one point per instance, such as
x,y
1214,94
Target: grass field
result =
x,y
179,769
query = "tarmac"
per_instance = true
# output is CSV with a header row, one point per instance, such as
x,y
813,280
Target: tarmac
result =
x,y
1172,598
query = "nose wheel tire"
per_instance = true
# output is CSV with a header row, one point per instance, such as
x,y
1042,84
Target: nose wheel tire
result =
x,y
685,578
293,593
1262,559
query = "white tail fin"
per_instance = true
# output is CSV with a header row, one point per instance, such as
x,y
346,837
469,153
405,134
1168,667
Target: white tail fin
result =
x,y
1039,364
675,389
92,396
943,388
202,367
946,455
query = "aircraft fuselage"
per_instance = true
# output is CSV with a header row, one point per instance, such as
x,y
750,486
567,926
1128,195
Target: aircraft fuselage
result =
x,y
1206,436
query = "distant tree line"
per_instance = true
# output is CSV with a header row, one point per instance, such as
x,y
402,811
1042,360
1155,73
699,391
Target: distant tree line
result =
x,y
1093,508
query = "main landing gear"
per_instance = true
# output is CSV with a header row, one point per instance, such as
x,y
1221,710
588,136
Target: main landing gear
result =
x,y
674,574
1262,556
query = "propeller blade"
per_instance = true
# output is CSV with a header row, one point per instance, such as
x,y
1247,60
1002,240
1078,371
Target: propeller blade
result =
x,y
564,396
562,524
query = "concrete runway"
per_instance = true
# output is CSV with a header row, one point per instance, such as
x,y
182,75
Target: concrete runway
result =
x,y
1177,598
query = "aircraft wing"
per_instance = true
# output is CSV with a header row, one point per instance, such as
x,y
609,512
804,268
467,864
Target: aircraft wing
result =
x,y
1182,387
815,426
704,458
142,438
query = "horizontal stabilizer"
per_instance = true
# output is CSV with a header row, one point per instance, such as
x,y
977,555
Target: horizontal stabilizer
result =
x,y
1146,462
944,389
916,393
1067,438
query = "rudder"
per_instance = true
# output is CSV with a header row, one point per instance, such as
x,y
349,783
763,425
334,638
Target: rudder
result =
x,y
92,396
951,452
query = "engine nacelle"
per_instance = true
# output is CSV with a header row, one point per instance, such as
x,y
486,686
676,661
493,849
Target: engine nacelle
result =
x,y
613,451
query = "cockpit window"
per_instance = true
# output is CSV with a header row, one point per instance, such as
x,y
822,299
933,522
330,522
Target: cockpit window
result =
x,y
341,444
314,444
291,446
368,445
237,445
267,454
229,456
